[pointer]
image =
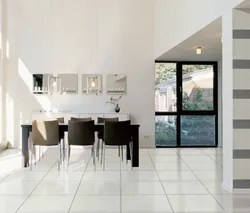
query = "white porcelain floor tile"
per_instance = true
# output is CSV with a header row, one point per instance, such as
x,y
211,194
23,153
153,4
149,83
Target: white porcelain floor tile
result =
x,y
209,166
56,188
184,188
144,166
47,203
27,176
96,204
209,175
17,188
139,176
99,188
145,204
215,187
10,203
162,152
109,166
174,166
176,176
197,158
165,158
142,188
234,203
189,151
101,176
60,176
194,203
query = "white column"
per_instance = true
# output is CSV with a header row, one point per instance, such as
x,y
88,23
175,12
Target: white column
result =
x,y
3,4
227,100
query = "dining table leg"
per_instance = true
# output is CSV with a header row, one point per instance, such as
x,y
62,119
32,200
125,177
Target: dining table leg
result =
x,y
25,146
135,148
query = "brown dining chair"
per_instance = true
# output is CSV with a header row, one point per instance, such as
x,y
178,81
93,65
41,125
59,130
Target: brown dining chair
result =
x,y
115,134
60,120
81,133
41,151
45,133
81,119
101,120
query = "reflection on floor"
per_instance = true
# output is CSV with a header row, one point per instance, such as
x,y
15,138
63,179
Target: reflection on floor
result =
x,y
168,180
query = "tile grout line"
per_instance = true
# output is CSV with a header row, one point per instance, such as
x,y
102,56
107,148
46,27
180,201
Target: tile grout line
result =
x,y
35,187
161,182
212,159
203,184
79,184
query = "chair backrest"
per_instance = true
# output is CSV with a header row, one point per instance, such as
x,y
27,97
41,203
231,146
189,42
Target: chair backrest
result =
x,y
60,120
81,119
81,133
45,133
102,120
117,133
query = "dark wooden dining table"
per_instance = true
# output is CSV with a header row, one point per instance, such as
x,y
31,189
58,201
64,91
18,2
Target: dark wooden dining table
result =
x,y
132,150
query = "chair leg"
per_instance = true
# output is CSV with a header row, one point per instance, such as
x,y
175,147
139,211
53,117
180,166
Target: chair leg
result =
x,y
97,149
68,157
119,151
39,156
104,156
94,154
122,152
59,157
35,150
31,156
102,152
127,150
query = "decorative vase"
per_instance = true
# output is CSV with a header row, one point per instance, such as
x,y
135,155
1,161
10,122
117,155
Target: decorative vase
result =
x,y
117,108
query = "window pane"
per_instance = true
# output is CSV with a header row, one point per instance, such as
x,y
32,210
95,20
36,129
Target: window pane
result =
x,y
197,87
165,131
165,87
197,130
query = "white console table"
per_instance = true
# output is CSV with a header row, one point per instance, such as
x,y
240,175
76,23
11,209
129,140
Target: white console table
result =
x,y
50,115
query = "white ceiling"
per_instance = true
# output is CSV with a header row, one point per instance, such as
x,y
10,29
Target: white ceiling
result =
x,y
209,38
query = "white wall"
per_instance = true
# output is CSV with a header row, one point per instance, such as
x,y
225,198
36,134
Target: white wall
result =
x,y
220,104
80,36
177,20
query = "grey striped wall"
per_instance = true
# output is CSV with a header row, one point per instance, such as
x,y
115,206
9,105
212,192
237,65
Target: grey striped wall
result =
x,y
241,99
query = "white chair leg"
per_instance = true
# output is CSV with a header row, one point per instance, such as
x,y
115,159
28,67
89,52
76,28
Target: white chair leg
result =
x,y
35,150
31,156
102,152
104,148
98,149
39,156
68,157
93,148
59,157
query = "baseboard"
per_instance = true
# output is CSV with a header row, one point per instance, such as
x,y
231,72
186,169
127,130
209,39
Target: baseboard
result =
x,y
241,191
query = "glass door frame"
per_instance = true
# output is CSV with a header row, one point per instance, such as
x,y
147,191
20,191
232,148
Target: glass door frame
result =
x,y
180,112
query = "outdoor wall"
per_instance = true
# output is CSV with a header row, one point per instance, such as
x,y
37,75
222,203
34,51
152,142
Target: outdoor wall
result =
x,y
80,36
177,20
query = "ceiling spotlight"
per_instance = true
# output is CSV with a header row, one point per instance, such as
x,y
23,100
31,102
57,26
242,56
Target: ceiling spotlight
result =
x,y
198,50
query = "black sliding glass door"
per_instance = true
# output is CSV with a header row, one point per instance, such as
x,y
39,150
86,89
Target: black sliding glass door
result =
x,y
186,104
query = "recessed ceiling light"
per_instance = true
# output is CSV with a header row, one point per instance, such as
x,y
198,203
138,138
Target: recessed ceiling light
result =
x,y
198,50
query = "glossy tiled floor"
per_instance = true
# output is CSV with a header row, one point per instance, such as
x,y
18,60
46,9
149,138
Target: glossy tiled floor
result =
x,y
168,180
